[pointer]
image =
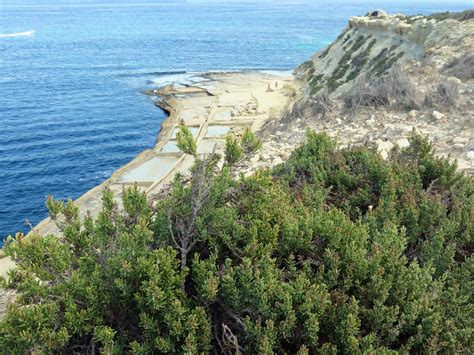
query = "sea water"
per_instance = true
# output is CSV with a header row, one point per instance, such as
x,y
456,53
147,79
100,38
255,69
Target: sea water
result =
x,y
72,75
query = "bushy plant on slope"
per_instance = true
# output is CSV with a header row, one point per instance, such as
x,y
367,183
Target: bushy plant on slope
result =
x,y
335,251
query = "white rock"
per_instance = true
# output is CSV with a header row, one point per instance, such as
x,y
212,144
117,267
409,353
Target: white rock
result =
x,y
370,121
384,145
264,157
255,159
383,154
412,113
460,140
403,142
277,161
438,115
470,154
455,80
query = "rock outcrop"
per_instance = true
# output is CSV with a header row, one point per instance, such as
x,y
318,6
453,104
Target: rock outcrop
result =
x,y
372,45
382,78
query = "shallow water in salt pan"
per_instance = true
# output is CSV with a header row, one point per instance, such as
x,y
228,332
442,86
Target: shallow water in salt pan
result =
x,y
217,130
153,169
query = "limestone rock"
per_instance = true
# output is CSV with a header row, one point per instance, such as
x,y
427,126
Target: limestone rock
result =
x,y
403,142
277,160
384,145
438,115
384,154
460,140
370,122
412,113
264,157
255,159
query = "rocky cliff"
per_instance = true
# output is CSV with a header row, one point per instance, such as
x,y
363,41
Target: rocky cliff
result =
x,y
371,45
383,77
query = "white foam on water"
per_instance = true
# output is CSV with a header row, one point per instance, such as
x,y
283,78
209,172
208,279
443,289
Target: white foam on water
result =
x,y
172,78
27,33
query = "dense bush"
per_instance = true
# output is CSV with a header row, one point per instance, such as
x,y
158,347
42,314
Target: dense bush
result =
x,y
335,251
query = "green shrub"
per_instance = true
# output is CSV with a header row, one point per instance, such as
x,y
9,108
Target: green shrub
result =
x,y
185,141
335,251
250,142
233,150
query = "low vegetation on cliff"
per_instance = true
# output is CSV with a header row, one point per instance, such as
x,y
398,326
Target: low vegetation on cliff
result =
x,y
334,251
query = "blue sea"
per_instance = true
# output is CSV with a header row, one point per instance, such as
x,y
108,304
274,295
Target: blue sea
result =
x,y
71,104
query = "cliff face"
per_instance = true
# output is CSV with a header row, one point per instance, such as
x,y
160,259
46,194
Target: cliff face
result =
x,y
371,45
383,77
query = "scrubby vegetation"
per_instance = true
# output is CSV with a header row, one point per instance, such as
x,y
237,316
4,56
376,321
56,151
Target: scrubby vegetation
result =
x,y
460,16
461,67
316,106
393,90
441,16
335,251
444,95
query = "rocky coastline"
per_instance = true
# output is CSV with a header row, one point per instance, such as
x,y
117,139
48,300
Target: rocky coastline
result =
x,y
280,108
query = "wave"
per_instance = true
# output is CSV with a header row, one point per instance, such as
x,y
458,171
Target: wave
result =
x,y
27,33
154,73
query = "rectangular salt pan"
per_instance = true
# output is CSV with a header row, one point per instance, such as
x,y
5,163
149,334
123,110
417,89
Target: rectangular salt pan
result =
x,y
193,114
170,147
217,131
151,170
223,115
207,145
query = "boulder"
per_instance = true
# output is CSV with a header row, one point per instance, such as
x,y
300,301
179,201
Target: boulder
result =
x,y
438,115
255,159
383,154
403,142
370,122
264,157
384,148
460,140
277,160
